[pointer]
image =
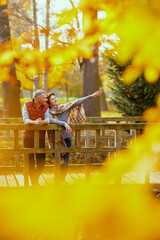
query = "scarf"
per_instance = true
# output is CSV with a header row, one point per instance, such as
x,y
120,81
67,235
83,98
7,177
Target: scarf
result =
x,y
76,115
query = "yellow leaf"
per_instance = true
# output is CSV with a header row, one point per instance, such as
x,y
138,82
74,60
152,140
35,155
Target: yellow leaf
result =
x,y
131,74
7,58
55,38
4,74
151,74
84,50
8,11
87,23
35,43
152,114
45,31
3,2
28,6
64,56
25,82
66,16
31,71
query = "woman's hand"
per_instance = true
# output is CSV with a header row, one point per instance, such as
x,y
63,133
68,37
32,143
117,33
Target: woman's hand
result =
x,y
96,94
68,128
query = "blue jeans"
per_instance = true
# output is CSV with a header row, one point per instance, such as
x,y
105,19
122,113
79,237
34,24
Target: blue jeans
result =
x,y
68,144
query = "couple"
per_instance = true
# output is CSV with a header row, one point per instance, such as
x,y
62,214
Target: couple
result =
x,y
44,109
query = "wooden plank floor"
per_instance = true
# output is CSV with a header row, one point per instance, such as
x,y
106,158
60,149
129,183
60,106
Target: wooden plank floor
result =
x,y
14,180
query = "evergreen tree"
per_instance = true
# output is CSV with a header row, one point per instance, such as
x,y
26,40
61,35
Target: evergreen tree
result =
x,y
131,99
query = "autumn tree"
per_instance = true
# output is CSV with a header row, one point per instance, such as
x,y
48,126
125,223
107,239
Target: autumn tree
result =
x,y
24,26
10,85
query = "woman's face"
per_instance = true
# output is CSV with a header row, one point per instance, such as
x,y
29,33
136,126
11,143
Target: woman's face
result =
x,y
53,101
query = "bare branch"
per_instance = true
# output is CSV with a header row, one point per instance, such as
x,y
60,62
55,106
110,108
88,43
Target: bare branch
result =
x,y
25,75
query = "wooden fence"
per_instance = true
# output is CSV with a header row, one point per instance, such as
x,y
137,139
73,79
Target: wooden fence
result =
x,y
92,134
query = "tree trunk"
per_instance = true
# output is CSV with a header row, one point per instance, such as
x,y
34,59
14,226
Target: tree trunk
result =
x,y
90,85
90,74
103,102
37,42
46,44
35,22
36,83
10,90
66,92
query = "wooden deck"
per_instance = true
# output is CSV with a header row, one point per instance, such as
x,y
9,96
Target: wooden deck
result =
x,y
47,179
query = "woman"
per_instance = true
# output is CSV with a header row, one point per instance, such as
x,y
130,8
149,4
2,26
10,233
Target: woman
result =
x,y
65,114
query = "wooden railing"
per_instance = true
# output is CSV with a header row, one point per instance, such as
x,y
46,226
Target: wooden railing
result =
x,y
89,119
100,132
114,119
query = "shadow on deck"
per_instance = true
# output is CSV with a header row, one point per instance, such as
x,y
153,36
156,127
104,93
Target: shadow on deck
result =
x,y
72,178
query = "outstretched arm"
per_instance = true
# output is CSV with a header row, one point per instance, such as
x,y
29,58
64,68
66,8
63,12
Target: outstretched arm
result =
x,y
82,100
96,94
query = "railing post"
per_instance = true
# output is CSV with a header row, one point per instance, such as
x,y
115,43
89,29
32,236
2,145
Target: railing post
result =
x,y
138,132
146,167
87,157
77,139
146,164
97,138
87,138
57,156
26,169
16,144
36,139
118,147
118,139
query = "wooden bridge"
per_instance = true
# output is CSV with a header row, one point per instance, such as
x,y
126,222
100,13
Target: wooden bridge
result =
x,y
101,136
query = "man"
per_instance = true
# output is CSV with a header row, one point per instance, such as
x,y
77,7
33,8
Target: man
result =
x,y
35,112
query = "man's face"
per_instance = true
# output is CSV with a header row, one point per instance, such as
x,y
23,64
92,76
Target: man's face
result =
x,y
42,99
